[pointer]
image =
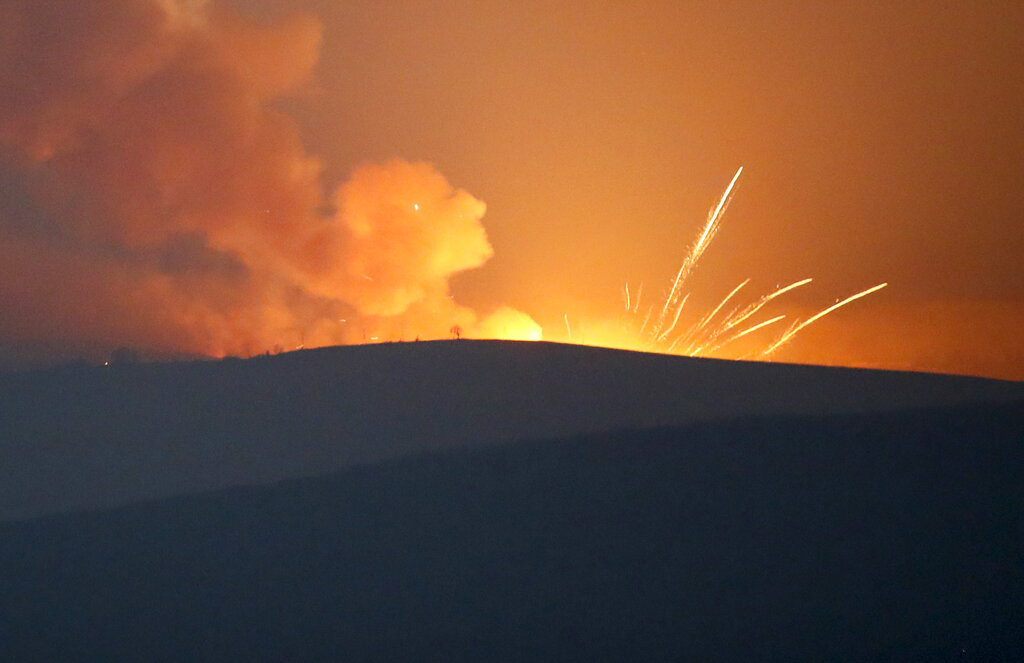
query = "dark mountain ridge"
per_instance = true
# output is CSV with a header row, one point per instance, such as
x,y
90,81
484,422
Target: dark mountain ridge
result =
x,y
87,437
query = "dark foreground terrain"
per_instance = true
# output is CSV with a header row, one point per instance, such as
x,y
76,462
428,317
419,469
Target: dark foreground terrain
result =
x,y
86,437
873,536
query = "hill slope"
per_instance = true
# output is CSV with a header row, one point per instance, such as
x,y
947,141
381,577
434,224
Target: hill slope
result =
x,y
81,438
883,536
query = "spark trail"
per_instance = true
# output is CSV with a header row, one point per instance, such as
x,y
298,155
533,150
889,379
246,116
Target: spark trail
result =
x,y
800,325
658,333
697,250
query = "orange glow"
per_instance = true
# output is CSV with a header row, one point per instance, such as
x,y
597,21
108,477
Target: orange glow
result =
x,y
508,324
216,177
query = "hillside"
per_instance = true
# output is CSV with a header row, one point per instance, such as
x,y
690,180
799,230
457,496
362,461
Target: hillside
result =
x,y
854,537
87,437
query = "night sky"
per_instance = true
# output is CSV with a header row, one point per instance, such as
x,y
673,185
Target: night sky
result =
x,y
222,177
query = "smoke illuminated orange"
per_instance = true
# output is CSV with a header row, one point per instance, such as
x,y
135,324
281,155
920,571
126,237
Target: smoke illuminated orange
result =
x,y
214,176
192,218
187,214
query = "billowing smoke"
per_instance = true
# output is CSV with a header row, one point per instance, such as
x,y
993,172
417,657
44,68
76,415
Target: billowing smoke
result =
x,y
152,195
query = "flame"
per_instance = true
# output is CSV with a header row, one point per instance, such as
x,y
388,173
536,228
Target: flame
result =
x,y
509,324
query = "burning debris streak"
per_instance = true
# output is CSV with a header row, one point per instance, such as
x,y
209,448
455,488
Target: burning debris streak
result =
x,y
800,325
704,338
697,250
732,322
746,331
675,319
707,318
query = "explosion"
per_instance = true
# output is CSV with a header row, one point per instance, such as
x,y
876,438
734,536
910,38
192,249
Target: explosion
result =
x,y
156,197
657,328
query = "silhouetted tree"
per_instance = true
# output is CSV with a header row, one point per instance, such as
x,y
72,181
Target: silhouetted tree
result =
x,y
456,332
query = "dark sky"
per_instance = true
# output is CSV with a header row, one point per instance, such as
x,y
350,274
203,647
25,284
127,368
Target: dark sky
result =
x,y
881,142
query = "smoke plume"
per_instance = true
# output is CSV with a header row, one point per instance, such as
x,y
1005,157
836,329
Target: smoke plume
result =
x,y
152,195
